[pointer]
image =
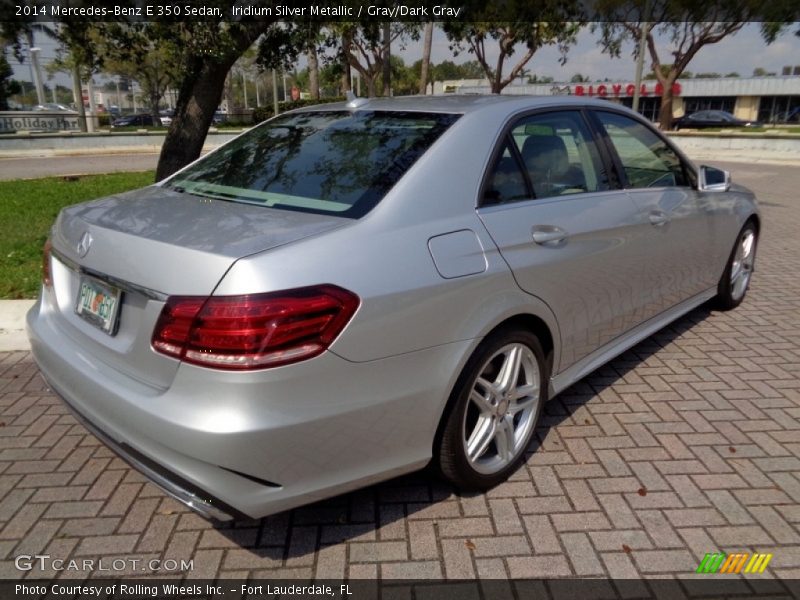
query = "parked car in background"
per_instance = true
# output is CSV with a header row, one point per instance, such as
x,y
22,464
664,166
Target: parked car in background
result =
x,y
54,107
346,292
707,119
140,120
166,116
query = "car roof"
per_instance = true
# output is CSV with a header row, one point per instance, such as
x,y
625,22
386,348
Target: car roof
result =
x,y
463,104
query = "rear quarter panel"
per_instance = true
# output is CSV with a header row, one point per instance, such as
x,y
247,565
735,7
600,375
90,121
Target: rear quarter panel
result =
x,y
406,305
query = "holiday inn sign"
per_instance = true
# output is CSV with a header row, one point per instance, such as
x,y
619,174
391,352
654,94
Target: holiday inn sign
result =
x,y
13,121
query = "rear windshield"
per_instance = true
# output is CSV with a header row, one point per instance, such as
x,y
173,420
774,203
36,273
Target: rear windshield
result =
x,y
340,163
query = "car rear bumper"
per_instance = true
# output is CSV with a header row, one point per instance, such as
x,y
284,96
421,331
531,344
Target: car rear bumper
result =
x,y
174,485
232,445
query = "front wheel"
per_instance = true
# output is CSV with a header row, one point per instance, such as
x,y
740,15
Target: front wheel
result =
x,y
736,277
493,410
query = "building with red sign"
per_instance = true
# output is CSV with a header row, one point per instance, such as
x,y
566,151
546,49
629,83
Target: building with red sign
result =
x,y
766,99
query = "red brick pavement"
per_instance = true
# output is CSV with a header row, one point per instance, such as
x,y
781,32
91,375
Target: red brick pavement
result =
x,y
687,444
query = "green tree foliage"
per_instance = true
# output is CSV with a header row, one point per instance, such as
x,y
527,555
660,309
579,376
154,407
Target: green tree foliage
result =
x,y
686,25
155,67
8,86
543,23
366,47
762,72
203,52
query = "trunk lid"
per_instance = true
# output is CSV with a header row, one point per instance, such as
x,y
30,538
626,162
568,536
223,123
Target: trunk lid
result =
x,y
153,243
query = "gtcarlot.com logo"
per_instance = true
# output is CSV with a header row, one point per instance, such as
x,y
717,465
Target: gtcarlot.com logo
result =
x,y
44,562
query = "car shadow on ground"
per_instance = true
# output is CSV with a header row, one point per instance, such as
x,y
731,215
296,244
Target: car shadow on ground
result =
x,y
379,512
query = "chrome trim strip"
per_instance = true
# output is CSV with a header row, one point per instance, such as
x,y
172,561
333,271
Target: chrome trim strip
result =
x,y
125,286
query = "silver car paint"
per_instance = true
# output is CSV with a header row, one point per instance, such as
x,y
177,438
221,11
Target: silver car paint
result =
x,y
368,408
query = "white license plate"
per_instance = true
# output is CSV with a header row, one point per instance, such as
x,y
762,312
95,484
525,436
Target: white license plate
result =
x,y
98,303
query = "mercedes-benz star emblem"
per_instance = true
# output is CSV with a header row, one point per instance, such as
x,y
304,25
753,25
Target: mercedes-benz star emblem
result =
x,y
84,244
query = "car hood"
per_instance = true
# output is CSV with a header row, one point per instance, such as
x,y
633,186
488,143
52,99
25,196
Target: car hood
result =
x,y
176,243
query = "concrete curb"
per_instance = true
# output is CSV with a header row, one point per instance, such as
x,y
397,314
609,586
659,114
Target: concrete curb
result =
x,y
12,324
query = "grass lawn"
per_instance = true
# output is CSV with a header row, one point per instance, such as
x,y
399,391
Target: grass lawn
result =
x,y
27,211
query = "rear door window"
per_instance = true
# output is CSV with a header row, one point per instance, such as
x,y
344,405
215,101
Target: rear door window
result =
x,y
559,154
553,153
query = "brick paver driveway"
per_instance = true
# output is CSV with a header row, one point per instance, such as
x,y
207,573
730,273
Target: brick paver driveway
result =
x,y
687,444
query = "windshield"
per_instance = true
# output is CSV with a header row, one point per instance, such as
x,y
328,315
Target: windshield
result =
x,y
336,162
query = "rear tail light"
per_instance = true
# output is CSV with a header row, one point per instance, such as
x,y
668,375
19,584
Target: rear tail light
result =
x,y
254,331
47,278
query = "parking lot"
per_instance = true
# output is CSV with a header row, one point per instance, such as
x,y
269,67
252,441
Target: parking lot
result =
x,y
685,445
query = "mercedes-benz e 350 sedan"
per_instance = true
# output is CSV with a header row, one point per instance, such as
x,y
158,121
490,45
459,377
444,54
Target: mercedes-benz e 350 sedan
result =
x,y
347,292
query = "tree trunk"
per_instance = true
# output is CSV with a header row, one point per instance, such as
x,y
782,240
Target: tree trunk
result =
x,y
198,100
426,59
387,62
154,98
347,85
371,92
77,92
313,72
665,112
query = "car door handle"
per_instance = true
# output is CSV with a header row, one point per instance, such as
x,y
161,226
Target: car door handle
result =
x,y
548,235
658,218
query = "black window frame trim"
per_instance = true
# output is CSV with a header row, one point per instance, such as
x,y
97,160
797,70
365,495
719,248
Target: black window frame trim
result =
x,y
606,159
689,170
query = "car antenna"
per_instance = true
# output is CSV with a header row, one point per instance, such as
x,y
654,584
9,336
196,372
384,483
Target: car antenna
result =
x,y
354,101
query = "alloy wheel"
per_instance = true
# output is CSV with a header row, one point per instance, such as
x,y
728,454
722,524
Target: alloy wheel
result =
x,y
503,404
742,265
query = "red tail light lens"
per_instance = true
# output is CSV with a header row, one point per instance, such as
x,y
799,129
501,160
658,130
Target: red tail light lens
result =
x,y
47,278
254,331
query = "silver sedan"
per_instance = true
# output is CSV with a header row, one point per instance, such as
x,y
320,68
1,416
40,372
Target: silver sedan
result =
x,y
347,292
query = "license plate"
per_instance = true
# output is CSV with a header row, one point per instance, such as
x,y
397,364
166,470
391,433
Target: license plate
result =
x,y
98,303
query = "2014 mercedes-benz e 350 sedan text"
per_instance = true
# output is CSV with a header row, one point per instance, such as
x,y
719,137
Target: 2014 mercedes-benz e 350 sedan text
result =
x,y
347,292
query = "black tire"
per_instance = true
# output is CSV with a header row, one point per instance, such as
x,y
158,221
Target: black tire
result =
x,y
731,290
485,470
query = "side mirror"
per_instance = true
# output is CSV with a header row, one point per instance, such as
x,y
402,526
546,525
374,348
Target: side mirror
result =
x,y
711,179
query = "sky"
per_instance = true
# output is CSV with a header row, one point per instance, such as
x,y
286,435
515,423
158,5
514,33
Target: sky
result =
x,y
742,53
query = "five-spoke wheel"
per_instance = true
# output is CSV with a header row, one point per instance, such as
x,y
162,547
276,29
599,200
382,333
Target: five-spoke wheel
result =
x,y
494,410
736,278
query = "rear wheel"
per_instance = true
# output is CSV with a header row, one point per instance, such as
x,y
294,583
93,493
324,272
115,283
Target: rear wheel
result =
x,y
736,277
494,410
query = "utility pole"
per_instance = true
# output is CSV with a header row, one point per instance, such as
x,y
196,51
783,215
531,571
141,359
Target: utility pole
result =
x,y
77,94
37,75
275,90
640,57
92,122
